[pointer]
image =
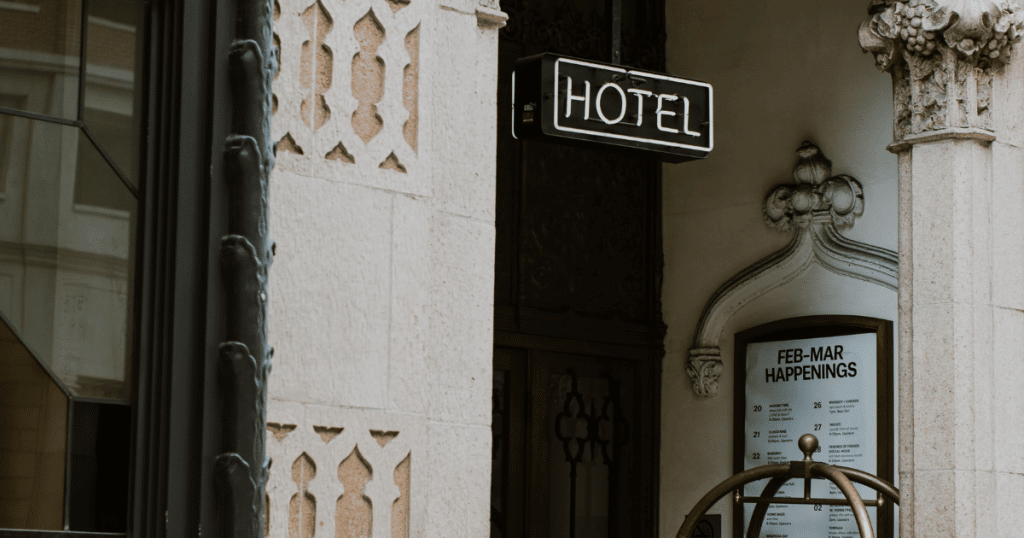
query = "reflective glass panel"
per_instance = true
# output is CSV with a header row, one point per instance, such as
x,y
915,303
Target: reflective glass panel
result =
x,y
6,132
98,489
40,43
66,264
112,64
33,411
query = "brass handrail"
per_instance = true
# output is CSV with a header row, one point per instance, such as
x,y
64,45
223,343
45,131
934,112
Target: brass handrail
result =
x,y
780,473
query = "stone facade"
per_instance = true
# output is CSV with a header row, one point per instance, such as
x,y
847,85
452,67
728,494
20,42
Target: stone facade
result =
x,y
383,212
381,309
956,102
783,73
954,128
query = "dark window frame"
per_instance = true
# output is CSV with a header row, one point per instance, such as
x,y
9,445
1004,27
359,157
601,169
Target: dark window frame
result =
x,y
182,314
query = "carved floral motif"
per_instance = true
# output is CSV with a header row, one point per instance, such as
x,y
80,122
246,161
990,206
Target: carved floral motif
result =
x,y
705,368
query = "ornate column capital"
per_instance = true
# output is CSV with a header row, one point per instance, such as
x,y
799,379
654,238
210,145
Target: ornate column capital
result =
x,y
942,55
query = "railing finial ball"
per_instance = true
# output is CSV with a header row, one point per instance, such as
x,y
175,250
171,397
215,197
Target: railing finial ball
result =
x,y
808,443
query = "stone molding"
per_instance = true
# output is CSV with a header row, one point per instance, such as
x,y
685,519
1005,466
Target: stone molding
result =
x,y
490,17
814,207
942,55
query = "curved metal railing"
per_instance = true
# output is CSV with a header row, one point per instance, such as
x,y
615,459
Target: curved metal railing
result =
x,y
780,473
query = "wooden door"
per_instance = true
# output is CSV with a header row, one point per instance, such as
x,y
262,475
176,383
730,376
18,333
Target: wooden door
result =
x,y
578,328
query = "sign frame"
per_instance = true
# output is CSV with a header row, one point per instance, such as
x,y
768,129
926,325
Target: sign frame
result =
x,y
651,98
822,326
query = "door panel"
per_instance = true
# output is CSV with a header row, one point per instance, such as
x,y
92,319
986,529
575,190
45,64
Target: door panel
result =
x,y
578,459
577,319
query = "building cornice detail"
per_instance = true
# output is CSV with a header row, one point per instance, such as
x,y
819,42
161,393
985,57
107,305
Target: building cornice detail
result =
x,y
814,208
942,55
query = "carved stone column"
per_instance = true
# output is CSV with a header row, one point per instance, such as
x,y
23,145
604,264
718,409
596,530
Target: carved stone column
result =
x,y
957,90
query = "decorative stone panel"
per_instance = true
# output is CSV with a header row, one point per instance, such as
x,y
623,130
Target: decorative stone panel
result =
x,y
343,473
349,91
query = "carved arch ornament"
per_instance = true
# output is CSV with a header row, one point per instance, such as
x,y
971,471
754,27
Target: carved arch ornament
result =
x,y
813,208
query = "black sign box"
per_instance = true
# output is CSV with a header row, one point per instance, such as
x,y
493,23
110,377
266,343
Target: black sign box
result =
x,y
561,99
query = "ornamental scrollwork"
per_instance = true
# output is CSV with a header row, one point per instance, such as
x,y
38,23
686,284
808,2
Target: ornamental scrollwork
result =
x,y
942,55
816,190
705,368
241,469
813,208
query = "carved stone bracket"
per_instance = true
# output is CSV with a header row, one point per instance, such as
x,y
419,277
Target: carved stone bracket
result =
x,y
941,55
813,207
704,368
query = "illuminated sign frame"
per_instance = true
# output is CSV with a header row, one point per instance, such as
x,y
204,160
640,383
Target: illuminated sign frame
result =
x,y
570,100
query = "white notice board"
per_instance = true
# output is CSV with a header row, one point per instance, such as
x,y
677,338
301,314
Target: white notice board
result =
x,y
827,386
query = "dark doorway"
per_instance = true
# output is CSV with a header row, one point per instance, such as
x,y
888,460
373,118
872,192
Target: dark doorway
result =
x,y
578,327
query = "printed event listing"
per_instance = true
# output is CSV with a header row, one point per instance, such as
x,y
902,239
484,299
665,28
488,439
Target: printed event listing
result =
x,y
825,386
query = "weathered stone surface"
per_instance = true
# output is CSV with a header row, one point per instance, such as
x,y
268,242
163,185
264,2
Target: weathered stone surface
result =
x,y
465,184
956,92
331,292
383,281
460,463
1007,247
462,296
1004,394
408,389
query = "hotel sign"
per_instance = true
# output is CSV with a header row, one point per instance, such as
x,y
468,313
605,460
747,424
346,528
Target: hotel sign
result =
x,y
560,99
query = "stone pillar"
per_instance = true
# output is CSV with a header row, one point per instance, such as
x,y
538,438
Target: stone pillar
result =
x,y
958,90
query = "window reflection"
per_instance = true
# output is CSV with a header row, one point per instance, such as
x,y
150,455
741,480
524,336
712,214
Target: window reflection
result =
x,y
33,411
40,44
112,60
69,162
66,266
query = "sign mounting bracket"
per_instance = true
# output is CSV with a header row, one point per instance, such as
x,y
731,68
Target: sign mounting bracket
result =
x,y
617,32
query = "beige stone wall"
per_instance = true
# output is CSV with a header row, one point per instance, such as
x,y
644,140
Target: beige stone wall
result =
x,y
382,207
783,72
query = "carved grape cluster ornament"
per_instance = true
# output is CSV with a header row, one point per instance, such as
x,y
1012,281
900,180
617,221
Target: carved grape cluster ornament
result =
x,y
816,191
981,31
942,55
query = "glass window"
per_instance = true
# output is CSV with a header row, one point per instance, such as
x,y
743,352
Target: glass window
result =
x,y
33,409
67,266
112,59
40,55
70,134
